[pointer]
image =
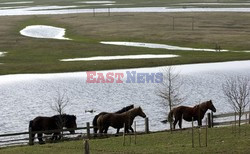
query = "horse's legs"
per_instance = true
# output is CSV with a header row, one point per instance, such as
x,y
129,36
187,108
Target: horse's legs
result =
x,y
126,128
132,130
199,122
33,137
40,138
180,123
175,122
117,132
106,129
56,136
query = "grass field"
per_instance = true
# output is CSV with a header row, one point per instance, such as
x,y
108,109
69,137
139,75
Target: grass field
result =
x,y
30,55
220,140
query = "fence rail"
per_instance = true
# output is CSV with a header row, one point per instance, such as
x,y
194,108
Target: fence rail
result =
x,y
212,117
26,137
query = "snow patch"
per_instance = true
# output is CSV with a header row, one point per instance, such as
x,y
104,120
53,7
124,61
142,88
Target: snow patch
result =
x,y
42,31
2,54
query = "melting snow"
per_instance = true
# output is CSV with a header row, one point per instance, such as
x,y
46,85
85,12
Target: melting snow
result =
x,y
22,2
2,54
42,31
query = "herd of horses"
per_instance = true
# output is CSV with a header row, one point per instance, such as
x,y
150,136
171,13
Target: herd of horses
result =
x,y
118,120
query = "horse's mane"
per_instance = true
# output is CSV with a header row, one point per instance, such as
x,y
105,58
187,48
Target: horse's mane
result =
x,y
127,108
67,116
132,110
201,106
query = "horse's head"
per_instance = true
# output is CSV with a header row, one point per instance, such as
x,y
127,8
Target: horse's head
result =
x,y
141,113
211,106
70,122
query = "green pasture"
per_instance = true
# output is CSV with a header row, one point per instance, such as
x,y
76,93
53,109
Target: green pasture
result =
x,y
32,55
220,140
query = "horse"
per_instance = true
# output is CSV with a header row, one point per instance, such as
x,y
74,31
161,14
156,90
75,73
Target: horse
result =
x,y
102,113
187,113
117,120
52,123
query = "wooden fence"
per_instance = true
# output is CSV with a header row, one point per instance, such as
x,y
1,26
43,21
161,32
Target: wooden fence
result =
x,y
26,137
212,118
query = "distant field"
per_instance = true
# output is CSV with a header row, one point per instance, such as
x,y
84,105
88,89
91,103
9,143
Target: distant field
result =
x,y
220,140
29,55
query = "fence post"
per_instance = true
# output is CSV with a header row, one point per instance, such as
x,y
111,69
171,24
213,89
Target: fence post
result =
x,y
124,134
93,12
88,130
206,131
212,119
31,140
209,120
192,132
135,132
146,125
86,146
249,115
235,123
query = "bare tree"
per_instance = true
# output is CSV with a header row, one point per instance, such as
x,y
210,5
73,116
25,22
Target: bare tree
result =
x,y
61,100
58,105
170,88
237,92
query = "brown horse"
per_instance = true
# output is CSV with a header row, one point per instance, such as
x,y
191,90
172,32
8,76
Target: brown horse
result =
x,y
117,120
52,123
102,113
197,112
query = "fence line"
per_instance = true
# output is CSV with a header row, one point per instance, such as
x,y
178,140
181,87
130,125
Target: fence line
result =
x,y
211,118
28,139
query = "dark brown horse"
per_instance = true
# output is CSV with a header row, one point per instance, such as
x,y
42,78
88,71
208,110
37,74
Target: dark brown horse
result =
x,y
102,113
117,120
197,112
52,123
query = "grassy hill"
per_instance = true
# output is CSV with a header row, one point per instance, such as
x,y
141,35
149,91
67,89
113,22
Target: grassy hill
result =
x,y
220,140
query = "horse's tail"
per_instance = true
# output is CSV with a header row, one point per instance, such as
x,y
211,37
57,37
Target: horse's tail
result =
x,y
95,123
31,124
170,116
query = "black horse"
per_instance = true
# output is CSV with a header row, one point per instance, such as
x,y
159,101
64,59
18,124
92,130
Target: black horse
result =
x,y
127,108
52,123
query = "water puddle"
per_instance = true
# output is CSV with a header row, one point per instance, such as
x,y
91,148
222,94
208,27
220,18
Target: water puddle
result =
x,y
13,3
158,46
97,2
42,10
146,56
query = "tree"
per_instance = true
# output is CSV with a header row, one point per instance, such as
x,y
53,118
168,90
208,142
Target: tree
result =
x,y
58,105
60,102
169,90
237,92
